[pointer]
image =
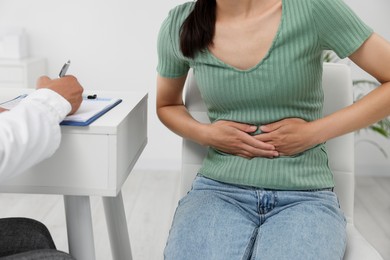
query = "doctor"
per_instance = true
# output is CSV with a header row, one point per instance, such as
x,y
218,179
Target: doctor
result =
x,y
30,133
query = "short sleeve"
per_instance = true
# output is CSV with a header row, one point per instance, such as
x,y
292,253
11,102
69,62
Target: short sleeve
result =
x,y
339,28
170,64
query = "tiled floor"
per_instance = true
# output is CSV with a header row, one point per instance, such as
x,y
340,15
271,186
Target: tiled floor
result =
x,y
150,199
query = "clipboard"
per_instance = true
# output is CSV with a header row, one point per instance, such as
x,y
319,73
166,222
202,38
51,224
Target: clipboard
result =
x,y
90,110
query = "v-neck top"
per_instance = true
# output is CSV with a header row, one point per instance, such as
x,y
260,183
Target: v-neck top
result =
x,y
286,83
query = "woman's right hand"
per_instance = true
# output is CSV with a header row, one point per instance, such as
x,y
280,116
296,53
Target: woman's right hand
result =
x,y
234,138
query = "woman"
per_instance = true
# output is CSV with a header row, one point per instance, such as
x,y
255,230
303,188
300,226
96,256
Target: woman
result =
x,y
265,189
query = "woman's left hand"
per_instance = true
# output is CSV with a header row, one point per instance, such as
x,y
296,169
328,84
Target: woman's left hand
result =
x,y
289,136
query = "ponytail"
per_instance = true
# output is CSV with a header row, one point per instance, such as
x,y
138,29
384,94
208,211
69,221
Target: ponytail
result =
x,y
197,31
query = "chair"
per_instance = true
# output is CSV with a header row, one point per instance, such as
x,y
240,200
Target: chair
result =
x,y
337,86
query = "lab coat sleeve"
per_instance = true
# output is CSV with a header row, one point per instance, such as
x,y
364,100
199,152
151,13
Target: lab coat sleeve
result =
x,y
30,132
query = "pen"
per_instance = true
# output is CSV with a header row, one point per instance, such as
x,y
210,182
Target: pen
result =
x,y
64,69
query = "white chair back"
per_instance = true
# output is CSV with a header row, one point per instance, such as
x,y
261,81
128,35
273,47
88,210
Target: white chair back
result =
x,y
337,86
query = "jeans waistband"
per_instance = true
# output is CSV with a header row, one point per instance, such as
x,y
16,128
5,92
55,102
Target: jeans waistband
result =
x,y
324,189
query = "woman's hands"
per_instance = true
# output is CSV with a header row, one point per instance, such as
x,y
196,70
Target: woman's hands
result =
x,y
286,137
289,136
283,138
233,138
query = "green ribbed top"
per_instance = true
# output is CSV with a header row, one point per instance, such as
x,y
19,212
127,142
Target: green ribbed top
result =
x,y
286,83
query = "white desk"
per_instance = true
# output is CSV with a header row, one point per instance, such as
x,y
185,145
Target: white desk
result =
x,y
94,160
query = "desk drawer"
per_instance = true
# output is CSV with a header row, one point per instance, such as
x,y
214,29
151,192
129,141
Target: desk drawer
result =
x,y
79,166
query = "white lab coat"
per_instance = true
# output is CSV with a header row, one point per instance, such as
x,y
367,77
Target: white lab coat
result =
x,y
30,132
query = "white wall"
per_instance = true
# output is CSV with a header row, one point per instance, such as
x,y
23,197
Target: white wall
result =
x,y
112,45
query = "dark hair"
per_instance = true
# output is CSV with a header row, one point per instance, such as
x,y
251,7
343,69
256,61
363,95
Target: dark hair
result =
x,y
197,30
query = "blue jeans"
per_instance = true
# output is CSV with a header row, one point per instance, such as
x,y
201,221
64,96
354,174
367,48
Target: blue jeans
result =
x,y
222,221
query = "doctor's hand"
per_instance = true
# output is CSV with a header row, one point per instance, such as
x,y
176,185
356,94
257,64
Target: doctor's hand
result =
x,y
289,136
67,86
234,138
